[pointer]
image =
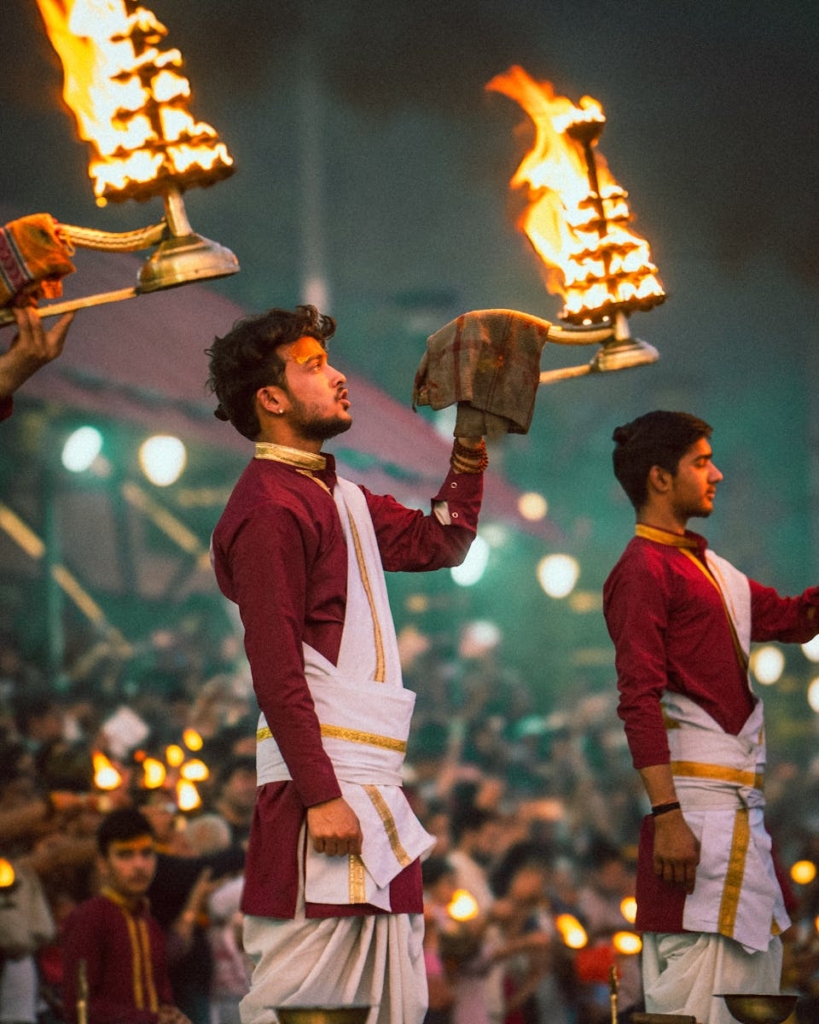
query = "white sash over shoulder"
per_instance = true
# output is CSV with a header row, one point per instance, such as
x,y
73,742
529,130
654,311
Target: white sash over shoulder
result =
x,y
736,594
364,713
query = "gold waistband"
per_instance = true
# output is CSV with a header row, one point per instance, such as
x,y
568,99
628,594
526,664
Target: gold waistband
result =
x,y
370,739
699,770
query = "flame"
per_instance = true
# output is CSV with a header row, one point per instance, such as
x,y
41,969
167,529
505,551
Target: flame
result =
x,y
129,100
106,775
577,218
174,755
571,931
154,773
463,906
7,875
187,796
192,739
628,908
628,943
194,770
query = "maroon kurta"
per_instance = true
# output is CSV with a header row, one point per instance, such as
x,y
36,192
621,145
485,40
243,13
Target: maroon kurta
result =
x,y
671,632
125,957
279,553
6,407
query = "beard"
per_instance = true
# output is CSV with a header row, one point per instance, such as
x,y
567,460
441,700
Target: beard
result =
x,y
699,511
313,427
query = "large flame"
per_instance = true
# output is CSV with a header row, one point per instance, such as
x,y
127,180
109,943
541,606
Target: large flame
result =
x,y
129,100
577,218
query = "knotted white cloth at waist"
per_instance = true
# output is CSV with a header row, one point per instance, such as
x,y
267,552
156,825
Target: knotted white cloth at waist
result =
x,y
364,728
719,782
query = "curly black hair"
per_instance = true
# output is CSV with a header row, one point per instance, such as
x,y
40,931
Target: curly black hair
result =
x,y
247,359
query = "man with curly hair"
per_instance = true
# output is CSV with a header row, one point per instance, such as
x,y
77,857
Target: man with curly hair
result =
x,y
333,898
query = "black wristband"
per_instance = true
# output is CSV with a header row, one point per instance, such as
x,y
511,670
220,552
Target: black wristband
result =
x,y
673,805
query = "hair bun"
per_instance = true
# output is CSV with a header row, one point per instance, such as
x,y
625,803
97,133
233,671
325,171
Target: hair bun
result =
x,y
220,414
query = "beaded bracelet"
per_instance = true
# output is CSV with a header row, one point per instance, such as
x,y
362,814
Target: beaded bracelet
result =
x,y
469,460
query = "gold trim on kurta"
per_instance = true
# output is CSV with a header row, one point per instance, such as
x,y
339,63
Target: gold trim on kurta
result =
x,y
289,456
136,971
358,892
736,869
142,969
700,770
380,674
316,480
380,804
144,991
145,942
673,540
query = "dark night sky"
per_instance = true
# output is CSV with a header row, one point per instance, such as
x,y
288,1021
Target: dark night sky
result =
x,y
712,128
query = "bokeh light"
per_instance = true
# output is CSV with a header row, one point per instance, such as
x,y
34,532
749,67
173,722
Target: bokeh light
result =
x,y
811,649
162,459
533,506
474,565
767,664
803,872
81,449
571,931
463,906
558,574
628,943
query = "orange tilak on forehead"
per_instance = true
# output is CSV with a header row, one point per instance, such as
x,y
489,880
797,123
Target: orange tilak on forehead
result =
x,y
305,349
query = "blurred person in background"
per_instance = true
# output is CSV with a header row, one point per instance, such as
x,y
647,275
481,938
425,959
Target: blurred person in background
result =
x,y
112,942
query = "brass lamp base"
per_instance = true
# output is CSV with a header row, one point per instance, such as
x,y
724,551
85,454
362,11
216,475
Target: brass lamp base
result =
x,y
749,1008
181,259
322,1014
623,355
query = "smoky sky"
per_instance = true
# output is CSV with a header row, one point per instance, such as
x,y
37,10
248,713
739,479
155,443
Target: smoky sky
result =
x,y
718,100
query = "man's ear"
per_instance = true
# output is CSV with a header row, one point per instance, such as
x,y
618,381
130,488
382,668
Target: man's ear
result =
x,y
272,399
659,479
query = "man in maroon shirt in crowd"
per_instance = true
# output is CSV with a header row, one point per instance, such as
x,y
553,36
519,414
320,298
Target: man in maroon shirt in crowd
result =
x,y
333,899
682,620
113,940
31,348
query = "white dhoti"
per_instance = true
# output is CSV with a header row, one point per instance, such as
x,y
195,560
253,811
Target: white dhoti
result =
x,y
364,713
374,960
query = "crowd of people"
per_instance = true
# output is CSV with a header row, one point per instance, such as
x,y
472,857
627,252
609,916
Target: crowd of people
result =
x,y
535,817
